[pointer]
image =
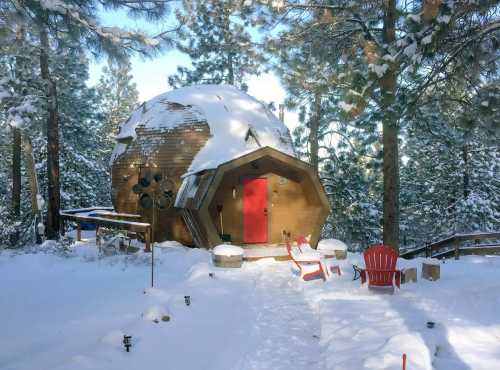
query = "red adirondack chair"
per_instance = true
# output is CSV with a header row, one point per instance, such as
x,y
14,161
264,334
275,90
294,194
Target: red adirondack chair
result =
x,y
380,265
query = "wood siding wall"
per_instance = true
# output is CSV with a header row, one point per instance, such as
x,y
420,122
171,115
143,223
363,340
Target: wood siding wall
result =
x,y
292,202
169,152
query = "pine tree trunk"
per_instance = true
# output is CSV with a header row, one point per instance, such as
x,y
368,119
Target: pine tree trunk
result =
x,y
390,137
16,141
29,161
466,171
53,195
230,62
16,172
230,78
313,131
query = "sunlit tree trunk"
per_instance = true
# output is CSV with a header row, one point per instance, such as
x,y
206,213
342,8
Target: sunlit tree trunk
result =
x,y
313,131
390,137
53,195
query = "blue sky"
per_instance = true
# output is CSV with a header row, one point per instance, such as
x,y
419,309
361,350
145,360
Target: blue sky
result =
x,y
151,75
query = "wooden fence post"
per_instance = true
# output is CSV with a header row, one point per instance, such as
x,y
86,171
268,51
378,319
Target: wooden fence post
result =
x,y
62,226
78,232
147,238
457,250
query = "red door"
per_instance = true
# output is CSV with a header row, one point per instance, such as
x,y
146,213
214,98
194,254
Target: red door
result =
x,y
255,210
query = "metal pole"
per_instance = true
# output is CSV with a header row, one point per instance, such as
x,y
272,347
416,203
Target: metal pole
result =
x,y
153,242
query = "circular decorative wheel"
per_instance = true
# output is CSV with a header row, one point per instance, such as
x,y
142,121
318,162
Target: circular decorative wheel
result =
x,y
144,182
146,201
164,201
167,185
137,189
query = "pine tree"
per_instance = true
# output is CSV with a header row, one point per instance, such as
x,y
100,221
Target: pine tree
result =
x,y
302,76
449,183
218,42
118,98
20,105
84,163
84,159
76,21
386,73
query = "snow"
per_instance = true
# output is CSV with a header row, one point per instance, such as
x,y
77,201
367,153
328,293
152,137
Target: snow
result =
x,y
444,19
154,313
40,228
332,245
16,121
414,17
379,70
389,58
54,5
40,201
227,250
427,39
151,42
410,50
229,112
69,311
346,107
118,150
432,261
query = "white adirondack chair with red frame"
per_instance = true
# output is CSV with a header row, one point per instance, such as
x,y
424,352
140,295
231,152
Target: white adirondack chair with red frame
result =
x,y
309,262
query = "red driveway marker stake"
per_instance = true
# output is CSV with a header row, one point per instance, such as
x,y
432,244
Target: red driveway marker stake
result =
x,y
404,361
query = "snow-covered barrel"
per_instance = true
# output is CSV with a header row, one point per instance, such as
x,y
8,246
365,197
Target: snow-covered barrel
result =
x,y
225,255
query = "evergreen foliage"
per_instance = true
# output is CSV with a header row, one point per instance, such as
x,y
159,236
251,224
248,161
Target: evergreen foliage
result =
x,y
378,87
118,98
43,92
217,39
398,101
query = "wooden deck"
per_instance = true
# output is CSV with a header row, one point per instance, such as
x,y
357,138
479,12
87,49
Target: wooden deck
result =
x,y
105,217
259,251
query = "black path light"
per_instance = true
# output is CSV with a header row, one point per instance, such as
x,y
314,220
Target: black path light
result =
x,y
155,192
127,342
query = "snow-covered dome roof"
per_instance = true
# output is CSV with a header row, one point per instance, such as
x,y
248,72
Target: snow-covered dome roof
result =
x,y
238,123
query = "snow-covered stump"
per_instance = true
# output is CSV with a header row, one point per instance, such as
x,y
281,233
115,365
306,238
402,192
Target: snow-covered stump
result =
x,y
333,248
340,254
431,269
226,255
409,274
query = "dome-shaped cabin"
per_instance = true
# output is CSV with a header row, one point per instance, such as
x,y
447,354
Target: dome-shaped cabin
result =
x,y
215,165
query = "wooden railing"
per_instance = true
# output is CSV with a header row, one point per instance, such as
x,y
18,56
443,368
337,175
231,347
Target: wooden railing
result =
x,y
453,246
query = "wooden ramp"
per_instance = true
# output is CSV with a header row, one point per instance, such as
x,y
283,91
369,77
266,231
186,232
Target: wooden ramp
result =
x,y
106,217
459,244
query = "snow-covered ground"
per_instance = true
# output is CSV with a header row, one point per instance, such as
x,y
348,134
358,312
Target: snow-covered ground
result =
x,y
71,312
